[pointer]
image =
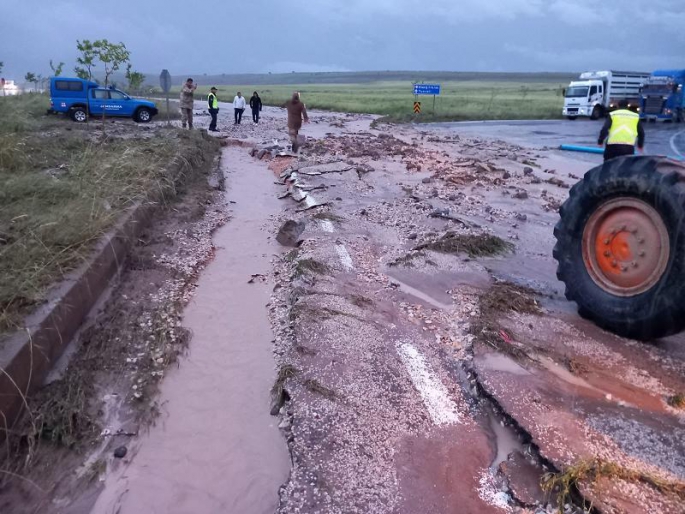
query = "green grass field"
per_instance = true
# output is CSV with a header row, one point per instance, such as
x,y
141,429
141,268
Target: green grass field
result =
x,y
540,97
61,190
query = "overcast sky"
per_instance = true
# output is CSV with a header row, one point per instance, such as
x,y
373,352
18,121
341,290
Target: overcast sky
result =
x,y
194,37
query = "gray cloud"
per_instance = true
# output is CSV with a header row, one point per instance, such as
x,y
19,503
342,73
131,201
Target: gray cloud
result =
x,y
329,35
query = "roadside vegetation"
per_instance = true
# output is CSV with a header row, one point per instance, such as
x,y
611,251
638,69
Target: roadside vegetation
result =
x,y
486,99
62,186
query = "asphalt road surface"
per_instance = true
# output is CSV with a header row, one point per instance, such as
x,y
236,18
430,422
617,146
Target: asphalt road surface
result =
x,y
661,138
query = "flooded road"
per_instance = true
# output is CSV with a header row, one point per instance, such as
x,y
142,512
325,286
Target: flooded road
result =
x,y
215,448
383,339
428,359
660,139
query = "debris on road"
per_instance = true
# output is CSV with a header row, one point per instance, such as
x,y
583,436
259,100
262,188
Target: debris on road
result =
x,y
290,232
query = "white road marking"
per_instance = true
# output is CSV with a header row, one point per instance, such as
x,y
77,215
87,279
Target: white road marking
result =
x,y
345,258
674,147
442,410
327,226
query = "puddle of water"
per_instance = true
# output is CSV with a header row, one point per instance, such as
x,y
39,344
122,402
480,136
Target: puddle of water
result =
x,y
432,287
506,441
565,375
500,362
407,289
215,447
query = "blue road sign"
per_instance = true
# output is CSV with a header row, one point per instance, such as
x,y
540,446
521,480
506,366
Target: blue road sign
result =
x,y
426,89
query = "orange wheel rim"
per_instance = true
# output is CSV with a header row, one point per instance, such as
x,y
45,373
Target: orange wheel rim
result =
x,y
625,246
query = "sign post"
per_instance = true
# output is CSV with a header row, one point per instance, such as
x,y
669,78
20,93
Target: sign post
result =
x,y
425,89
165,84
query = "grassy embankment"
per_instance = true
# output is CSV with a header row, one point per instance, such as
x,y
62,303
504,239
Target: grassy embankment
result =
x,y
62,186
497,97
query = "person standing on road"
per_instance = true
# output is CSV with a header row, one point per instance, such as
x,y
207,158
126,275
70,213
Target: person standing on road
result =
x,y
238,107
621,130
297,112
186,103
256,106
213,102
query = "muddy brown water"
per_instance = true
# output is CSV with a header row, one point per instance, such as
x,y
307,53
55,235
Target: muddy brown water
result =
x,y
215,447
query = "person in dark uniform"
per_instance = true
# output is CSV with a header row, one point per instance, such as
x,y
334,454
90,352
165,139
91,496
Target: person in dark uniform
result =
x,y
256,106
213,104
622,130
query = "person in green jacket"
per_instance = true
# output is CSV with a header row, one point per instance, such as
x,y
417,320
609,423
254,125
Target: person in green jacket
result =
x,y
213,105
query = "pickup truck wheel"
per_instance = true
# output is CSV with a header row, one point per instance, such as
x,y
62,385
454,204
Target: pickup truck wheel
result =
x,y
79,114
621,248
143,115
596,113
571,117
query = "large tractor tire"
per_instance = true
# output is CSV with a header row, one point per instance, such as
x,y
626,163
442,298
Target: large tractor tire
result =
x,y
621,246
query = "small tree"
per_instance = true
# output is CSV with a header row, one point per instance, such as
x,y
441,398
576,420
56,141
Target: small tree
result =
x,y
86,61
32,77
111,55
2,65
135,79
56,70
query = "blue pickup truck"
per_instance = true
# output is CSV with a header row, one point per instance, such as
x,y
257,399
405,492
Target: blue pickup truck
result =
x,y
80,98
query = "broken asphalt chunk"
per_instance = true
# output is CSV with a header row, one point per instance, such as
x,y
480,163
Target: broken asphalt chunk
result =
x,y
290,232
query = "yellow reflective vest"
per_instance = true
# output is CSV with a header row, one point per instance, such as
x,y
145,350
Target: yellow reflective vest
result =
x,y
213,102
623,129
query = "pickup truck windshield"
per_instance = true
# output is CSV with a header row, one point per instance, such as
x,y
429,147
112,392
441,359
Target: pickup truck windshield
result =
x,y
577,92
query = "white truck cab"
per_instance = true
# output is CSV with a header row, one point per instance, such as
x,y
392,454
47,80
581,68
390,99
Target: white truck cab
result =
x,y
597,92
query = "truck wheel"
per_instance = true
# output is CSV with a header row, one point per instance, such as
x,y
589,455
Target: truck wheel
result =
x,y
79,114
143,115
571,117
621,246
596,113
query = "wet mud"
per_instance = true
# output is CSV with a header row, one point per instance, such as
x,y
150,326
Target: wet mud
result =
x,y
547,392
409,367
215,447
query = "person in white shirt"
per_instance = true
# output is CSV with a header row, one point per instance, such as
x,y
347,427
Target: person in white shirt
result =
x,y
238,107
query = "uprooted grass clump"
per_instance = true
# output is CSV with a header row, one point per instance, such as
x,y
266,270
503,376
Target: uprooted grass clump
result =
x,y
291,256
361,301
406,260
586,473
501,298
315,386
677,401
284,373
481,245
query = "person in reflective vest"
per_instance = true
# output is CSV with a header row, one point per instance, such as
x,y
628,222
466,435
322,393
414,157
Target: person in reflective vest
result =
x,y
621,131
213,102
